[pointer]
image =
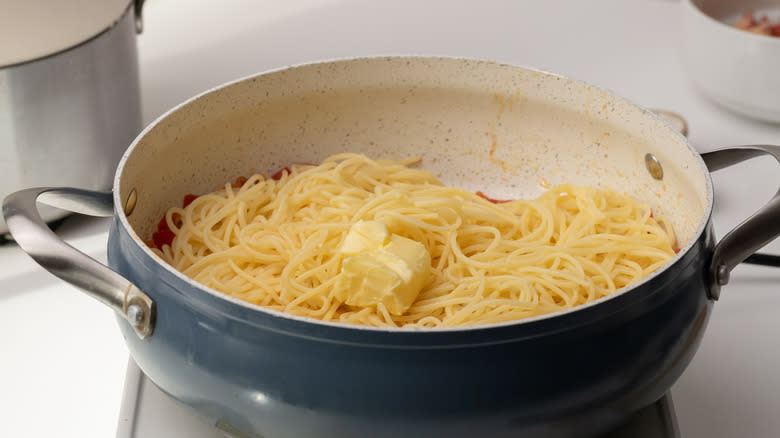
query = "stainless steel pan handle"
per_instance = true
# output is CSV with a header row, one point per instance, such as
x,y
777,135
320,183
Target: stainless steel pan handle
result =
x,y
138,6
66,262
753,233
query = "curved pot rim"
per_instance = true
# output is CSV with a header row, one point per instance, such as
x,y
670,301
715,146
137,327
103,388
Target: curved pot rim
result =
x,y
232,303
100,33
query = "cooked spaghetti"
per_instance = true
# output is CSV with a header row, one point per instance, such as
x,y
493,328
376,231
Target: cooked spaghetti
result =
x,y
275,242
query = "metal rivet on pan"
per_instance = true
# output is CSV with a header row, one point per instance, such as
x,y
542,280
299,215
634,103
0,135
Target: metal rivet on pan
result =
x,y
136,314
654,166
723,275
130,203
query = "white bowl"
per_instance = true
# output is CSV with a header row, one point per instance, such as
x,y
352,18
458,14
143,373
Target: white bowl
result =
x,y
738,69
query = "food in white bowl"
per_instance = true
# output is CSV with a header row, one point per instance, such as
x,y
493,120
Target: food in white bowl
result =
x,y
735,68
760,26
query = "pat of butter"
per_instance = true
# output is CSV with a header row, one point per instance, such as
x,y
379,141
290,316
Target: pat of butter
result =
x,y
381,268
365,236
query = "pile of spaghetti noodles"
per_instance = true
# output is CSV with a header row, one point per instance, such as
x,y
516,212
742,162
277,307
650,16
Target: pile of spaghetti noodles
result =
x,y
275,242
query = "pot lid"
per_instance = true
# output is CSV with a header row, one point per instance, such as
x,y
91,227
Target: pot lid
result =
x,y
31,29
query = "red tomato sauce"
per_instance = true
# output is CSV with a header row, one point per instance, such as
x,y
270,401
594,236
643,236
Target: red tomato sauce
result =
x,y
164,235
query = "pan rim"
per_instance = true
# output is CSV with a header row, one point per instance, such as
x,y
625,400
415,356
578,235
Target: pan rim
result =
x,y
147,252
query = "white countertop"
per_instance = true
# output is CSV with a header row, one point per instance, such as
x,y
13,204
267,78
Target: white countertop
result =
x,y
62,358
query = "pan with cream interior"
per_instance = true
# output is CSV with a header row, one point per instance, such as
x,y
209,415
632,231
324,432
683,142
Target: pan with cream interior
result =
x,y
507,131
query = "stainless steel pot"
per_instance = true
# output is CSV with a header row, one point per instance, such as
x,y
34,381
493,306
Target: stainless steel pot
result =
x,y
500,129
67,116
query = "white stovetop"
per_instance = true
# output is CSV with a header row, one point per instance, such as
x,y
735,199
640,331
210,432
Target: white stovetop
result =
x,y
62,359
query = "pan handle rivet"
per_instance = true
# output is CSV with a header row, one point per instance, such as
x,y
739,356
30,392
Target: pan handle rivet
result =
x,y
132,198
135,314
723,275
654,166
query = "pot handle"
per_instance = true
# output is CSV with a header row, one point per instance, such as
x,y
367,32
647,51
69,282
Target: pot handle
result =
x,y
754,232
66,262
138,6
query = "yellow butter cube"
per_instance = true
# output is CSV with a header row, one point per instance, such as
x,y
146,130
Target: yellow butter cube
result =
x,y
381,268
364,236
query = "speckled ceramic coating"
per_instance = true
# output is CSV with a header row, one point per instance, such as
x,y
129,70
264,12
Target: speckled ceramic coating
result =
x,y
507,131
